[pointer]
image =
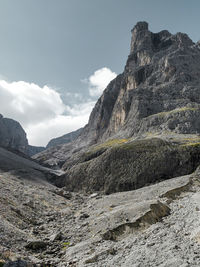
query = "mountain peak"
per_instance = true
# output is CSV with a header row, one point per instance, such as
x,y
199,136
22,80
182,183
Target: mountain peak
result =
x,y
141,37
140,26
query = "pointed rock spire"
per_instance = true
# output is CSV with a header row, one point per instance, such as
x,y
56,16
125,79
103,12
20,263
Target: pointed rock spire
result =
x,y
141,37
140,26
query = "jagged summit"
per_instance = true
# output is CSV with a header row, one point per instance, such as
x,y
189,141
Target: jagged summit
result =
x,y
143,39
140,26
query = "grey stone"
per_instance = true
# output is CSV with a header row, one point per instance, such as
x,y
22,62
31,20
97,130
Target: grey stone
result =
x,y
56,237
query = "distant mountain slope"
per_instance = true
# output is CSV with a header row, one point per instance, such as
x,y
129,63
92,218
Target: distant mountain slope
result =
x,y
32,150
25,167
67,138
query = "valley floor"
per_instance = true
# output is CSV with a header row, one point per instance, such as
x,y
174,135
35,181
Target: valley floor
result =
x,y
158,225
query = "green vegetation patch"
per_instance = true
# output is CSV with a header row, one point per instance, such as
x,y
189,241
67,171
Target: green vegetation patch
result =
x,y
144,144
65,245
98,150
111,143
177,110
107,144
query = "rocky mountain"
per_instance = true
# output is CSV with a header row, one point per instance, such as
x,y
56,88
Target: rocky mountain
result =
x,y
13,136
142,138
147,116
67,138
158,90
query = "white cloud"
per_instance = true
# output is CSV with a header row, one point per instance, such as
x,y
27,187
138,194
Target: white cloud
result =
x,y
60,125
99,80
29,103
41,111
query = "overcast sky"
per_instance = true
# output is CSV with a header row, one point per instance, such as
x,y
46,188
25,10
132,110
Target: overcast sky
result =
x,y
57,56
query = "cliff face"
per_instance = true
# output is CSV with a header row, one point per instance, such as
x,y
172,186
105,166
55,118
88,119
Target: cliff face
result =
x,y
158,90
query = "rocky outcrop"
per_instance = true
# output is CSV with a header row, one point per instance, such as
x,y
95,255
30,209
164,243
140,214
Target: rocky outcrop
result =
x,y
67,138
12,135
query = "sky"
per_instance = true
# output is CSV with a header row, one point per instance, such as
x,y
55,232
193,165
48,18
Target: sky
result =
x,y
57,56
